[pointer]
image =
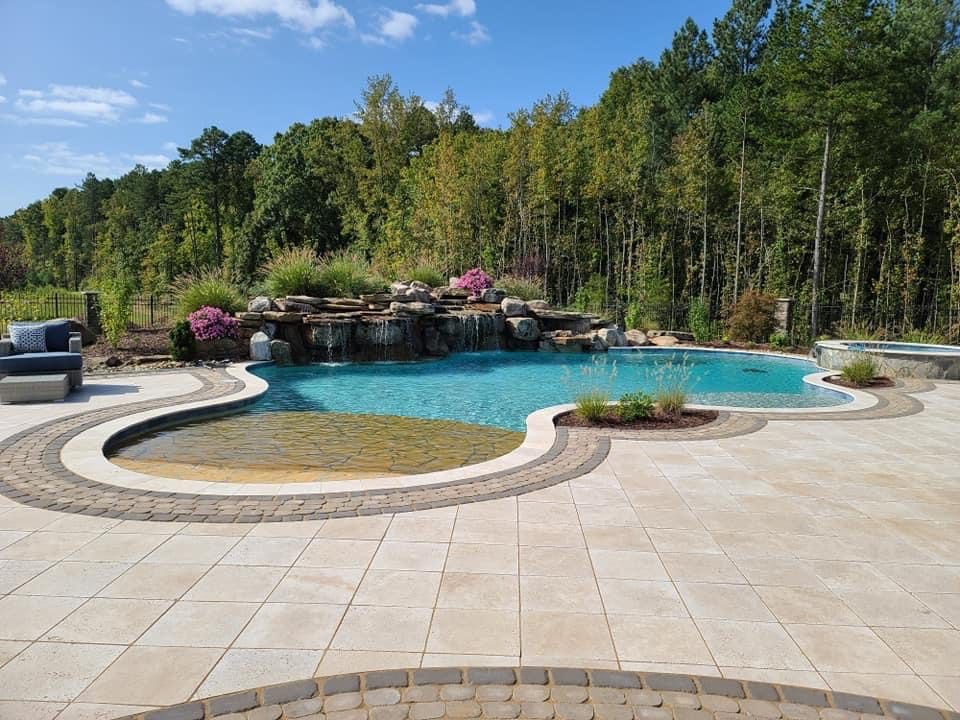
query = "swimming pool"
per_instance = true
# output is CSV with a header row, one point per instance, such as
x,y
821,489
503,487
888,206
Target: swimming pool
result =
x,y
501,388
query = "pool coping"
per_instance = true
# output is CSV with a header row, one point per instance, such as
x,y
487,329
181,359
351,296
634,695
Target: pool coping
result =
x,y
85,453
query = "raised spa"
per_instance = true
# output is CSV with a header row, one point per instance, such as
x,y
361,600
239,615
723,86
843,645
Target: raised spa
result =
x,y
935,362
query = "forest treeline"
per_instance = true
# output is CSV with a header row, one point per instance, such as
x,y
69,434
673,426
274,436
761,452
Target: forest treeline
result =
x,y
804,149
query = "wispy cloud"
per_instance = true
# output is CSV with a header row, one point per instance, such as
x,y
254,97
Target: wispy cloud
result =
x,y
160,106
305,15
47,121
314,43
58,158
152,118
2,99
464,8
138,84
394,26
3,79
484,117
477,35
254,33
94,103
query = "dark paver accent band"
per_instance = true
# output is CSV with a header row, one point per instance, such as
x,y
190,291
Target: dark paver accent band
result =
x,y
32,473
619,694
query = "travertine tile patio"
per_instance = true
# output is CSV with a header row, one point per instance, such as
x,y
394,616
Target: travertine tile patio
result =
x,y
821,552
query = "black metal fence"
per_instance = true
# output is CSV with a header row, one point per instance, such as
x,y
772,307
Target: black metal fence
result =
x,y
146,310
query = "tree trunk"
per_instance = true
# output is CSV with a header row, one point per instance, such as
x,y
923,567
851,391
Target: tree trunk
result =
x,y
736,262
818,237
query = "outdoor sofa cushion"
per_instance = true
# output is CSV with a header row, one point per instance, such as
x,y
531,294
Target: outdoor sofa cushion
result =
x,y
28,338
56,333
40,362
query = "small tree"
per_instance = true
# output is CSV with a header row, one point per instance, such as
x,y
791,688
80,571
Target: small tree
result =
x,y
753,317
116,306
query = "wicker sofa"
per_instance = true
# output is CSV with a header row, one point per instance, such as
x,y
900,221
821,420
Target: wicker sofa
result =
x,y
61,357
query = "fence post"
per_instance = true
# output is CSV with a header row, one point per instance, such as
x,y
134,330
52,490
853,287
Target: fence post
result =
x,y
153,298
784,316
91,305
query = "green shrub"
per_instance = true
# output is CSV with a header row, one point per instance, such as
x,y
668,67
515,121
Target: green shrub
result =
x,y
116,306
635,406
752,319
637,318
780,340
698,318
213,288
860,372
294,271
346,273
592,295
592,405
672,381
856,331
182,345
427,275
923,337
523,288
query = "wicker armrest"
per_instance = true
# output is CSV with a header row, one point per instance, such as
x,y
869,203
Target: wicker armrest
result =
x,y
6,346
75,342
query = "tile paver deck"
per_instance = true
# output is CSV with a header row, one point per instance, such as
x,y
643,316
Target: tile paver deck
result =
x,y
823,553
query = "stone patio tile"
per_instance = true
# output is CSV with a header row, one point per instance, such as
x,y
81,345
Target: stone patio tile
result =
x,y
199,624
801,678
907,688
336,662
158,581
152,676
669,519
419,529
27,518
303,529
192,549
779,572
403,588
617,538
840,576
212,528
236,583
590,495
476,632
383,628
808,606
658,640
335,553
628,565
435,660
8,537
16,709
477,558
317,585
698,567
119,547
623,515
243,668
559,493
562,513
891,609
559,562
27,617
754,545
361,528
925,578
54,671
572,635
928,652
559,594
78,579
291,625
108,620
277,551
410,556
504,509
479,591
551,534
50,546
98,711
846,649
946,605
160,528
720,601
641,597
14,573
752,644
946,687
497,532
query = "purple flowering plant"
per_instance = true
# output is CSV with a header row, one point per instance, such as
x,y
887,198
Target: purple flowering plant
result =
x,y
210,323
475,280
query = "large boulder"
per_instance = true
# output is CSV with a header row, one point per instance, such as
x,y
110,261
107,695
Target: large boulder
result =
x,y
419,295
412,308
259,304
399,288
513,307
523,328
280,352
260,346
664,340
419,285
492,296
534,305
282,317
288,305
451,293
637,338
611,337
87,336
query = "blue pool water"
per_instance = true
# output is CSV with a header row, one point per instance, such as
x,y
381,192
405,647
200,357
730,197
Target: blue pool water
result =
x,y
502,388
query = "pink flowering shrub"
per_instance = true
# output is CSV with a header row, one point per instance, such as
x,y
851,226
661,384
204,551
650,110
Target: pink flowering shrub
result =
x,y
210,323
475,280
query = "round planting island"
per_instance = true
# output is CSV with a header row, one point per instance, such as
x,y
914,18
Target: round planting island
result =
x,y
933,362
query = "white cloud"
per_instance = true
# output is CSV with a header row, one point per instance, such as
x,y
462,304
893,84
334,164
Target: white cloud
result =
x,y
30,93
58,158
484,117
3,79
170,146
152,118
95,103
254,33
138,84
181,40
477,36
160,106
2,99
395,26
48,121
315,43
464,8
305,15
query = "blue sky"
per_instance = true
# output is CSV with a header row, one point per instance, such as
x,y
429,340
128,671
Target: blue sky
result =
x,y
100,85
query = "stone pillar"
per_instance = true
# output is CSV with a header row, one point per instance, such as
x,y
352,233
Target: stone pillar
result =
x,y
91,304
784,316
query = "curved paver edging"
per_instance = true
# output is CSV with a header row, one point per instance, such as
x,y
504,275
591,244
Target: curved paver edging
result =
x,y
33,473
538,694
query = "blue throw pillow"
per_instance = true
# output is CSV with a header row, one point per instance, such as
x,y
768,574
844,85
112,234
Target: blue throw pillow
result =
x,y
28,338
58,335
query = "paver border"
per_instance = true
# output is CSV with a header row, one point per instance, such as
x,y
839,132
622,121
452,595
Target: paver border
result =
x,y
538,693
